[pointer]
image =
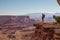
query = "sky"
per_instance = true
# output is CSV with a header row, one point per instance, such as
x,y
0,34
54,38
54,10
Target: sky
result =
x,y
22,7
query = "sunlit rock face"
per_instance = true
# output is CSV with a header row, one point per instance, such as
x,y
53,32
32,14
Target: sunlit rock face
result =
x,y
58,2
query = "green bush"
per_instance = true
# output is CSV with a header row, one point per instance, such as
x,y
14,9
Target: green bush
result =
x,y
57,18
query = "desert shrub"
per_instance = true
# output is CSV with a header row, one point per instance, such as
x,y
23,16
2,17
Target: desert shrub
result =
x,y
57,18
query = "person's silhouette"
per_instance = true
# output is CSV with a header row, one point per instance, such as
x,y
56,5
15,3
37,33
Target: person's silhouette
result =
x,y
43,16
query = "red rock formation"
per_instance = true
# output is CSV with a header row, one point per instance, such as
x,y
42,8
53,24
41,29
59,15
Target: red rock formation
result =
x,y
15,21
43,33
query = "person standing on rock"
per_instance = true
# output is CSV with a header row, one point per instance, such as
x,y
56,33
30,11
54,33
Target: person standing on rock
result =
x,y
43,16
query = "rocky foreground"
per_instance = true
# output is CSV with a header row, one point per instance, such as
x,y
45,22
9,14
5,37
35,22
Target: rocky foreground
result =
x,y
24,34
36,32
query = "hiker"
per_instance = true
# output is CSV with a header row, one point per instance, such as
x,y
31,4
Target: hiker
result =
x,y
43,16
